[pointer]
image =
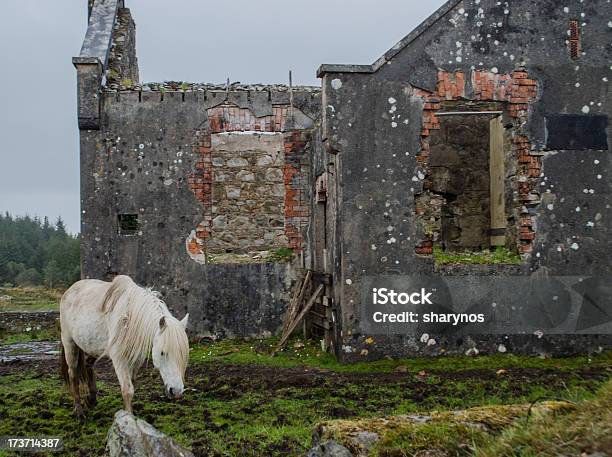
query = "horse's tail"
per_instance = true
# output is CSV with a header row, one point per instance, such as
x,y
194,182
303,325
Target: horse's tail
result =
x,y
82,373
64,366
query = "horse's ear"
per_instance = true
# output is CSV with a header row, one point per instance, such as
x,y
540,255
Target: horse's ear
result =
x,y
184,321
162,323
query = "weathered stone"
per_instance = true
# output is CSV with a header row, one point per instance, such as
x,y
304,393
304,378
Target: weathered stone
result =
x,y
376,144
132,437
220,222
330,448
246,176
232,192
264,161
360,436
237,162
278,190
274,174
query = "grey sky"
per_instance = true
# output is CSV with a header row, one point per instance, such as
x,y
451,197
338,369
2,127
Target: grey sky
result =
x,y
187,40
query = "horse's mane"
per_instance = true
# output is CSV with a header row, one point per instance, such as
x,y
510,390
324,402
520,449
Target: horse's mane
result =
x,y
139,311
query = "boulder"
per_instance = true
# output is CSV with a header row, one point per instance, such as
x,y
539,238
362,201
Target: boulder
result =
x,y
132,437
330,448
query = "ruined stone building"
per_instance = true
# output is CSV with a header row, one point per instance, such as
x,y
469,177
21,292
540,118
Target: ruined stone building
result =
x,y
486,126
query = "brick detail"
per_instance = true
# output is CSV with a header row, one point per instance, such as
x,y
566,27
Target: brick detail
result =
x,y
296,197
200,182
517,91
230,118
425,247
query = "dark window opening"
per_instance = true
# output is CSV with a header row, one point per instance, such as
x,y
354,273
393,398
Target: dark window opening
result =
x,y
576,132
128,224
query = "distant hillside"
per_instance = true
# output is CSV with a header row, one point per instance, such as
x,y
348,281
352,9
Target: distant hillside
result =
x,y
34,252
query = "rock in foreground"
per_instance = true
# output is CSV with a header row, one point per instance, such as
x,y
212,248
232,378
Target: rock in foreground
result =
x,y
132,437
436,434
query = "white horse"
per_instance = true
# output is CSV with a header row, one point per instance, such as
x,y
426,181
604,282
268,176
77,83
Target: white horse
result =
x,y
127,323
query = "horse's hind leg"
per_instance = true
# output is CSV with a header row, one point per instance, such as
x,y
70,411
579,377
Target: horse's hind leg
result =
x,y
92,390
71,352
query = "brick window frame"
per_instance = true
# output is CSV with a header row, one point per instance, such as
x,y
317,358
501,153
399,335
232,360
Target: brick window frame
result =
x,y
231,118
517,90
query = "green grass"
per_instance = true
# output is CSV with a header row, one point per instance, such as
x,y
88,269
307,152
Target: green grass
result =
x,y
241,401
497,256
280,255
586,430
34,335
308,353
276,256
24,299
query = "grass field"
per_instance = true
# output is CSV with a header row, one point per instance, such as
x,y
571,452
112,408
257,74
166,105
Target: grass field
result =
x,y
24,299
240,401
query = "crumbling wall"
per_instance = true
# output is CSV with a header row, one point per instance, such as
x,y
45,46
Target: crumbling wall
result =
x,y
122,61
171,169
252,181
149,160
379,121
488,92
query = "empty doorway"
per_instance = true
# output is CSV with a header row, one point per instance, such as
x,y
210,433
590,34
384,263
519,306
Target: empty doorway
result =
x,y
466,176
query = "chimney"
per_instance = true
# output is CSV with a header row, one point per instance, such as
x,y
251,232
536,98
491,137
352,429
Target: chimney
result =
x,y
90,4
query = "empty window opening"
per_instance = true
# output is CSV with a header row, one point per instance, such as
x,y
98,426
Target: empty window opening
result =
x,y
465,202
128,224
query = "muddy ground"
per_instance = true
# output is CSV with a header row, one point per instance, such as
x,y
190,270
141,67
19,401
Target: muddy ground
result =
x,y
248,404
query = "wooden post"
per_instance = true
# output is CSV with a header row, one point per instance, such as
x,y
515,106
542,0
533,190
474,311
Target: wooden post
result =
x,y
298,319
497,185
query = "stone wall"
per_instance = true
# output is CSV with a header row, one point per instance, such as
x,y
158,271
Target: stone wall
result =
x,y
512,95
252,181
122,61
152,159
157,208
248,192
380,122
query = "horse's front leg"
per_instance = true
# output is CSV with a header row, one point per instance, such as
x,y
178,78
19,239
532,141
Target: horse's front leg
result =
x,y
124,375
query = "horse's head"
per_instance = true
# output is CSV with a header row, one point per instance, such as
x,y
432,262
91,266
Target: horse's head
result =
x,y
170,353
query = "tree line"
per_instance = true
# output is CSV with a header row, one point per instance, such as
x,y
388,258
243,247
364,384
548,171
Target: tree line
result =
x,y
34,252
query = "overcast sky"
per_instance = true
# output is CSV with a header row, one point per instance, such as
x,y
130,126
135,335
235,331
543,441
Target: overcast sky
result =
x,y
186,40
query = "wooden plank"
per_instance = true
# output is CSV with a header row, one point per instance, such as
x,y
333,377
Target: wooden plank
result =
x,y
497,184
294,306
297,320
